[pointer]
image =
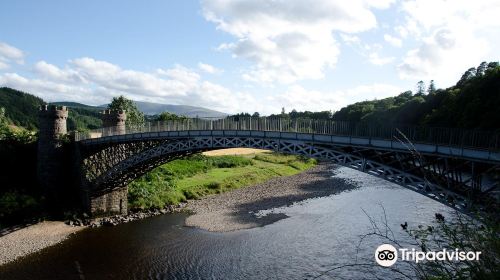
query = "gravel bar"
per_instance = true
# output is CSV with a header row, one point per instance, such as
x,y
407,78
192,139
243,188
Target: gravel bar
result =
x,y
235,210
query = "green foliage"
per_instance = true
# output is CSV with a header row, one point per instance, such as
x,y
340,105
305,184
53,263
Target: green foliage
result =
x,y
476,234
166,116
20,198
16,207
83,119
297,162
134,116
21,108
158,188
3,118
472,103
199,175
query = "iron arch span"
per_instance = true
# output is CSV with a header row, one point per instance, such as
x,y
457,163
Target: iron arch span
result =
x,y
108,164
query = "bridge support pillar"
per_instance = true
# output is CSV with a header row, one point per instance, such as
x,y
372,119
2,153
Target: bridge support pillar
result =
x,y
51,158
110,203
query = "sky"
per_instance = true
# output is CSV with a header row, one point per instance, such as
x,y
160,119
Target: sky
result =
x,y
241,55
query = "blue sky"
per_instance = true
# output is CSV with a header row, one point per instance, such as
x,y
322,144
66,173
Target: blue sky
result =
x,y
236,56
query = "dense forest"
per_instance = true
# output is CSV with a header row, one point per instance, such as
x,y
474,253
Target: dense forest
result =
x,y
20,108
472,103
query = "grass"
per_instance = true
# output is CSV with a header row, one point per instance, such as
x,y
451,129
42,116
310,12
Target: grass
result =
x,y
198,175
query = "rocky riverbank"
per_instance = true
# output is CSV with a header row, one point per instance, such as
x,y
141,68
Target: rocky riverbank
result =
x,y
120,219
237,209
234,210
33,238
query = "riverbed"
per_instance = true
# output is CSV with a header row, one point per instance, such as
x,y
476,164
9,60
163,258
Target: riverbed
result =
x,y
314,238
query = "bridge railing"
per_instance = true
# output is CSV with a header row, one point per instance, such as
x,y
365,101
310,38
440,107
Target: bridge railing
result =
x,y
416,134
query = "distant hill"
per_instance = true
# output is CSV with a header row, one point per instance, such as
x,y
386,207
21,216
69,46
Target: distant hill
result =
x,y
21,109
77,105
149,108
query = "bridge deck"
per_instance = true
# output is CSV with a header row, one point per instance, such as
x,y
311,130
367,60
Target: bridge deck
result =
x,y
473,144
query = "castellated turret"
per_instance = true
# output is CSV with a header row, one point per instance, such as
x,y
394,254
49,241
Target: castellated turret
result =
x,y
52,121
52,125
114,121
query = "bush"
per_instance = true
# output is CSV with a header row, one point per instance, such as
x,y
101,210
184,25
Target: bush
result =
x,y
16,207
229,161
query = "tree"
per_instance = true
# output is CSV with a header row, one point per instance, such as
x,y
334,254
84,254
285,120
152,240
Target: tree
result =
x,y
469,74
4,129
481,69
493,65
432,88
166,116
3,119
283,113
134,116
256,115
420,88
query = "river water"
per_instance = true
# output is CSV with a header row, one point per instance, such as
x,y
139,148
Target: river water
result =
x,y
319,236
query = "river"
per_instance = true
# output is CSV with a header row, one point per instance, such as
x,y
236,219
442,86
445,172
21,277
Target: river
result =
x,y
318,236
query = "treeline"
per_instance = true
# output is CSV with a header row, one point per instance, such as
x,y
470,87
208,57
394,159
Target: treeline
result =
x,y
21,109
472,103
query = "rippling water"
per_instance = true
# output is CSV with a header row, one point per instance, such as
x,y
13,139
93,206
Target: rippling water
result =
x,y
319,235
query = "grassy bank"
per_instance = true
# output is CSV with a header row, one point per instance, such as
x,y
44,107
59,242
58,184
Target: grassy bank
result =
x,y
200,175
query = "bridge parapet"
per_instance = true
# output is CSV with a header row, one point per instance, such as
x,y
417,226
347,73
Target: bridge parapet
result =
x,y
453,137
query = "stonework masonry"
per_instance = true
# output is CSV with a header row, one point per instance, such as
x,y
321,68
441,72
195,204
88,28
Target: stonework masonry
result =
x,y
51,162
52,126
114,121
114,202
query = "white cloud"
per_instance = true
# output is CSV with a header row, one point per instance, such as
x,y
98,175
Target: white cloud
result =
x,y
453,36
350,39
396,42
50,71
375,59
289,40
3,65
10,53
94,82
209,68
301,99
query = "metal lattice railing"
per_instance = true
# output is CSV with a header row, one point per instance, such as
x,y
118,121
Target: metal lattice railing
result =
x,y
488,140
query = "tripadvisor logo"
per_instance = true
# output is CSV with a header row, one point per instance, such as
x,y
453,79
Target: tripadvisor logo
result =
x,y
387,255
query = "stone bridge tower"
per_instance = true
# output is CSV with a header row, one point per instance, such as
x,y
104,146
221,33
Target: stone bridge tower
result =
x,y
51,157
115,201
114,121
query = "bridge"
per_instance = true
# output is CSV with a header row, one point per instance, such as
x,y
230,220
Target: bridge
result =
x,y
452,166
